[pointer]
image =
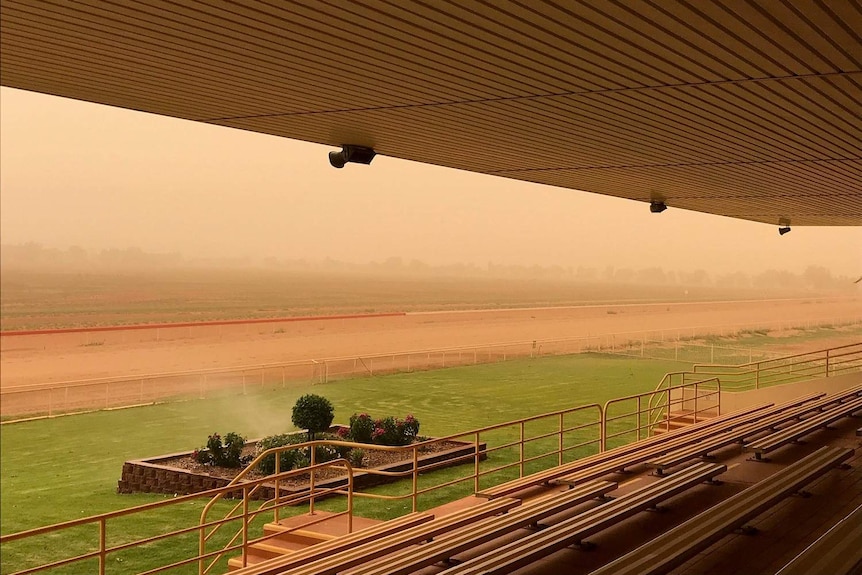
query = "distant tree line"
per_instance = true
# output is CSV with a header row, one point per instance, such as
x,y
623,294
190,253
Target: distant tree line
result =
x,y
34,256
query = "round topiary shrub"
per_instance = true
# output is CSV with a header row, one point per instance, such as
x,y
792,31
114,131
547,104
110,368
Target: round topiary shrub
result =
x,y
313,413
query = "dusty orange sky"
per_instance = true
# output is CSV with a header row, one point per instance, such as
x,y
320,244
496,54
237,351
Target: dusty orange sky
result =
x,y
74,173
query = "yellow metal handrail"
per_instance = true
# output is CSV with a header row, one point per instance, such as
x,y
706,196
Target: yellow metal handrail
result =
x,y
480,450
101,521
821,363
702,390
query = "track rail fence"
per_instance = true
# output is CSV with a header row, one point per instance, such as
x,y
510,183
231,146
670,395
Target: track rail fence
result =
x,y
699,344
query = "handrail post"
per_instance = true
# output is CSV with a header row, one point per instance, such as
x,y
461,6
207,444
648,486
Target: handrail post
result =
x,y
696,393
245,526
521,451
476,463
311,464
415,479
202,549
827,363
277,514
603,430
102,544
639,417
667,410
560,444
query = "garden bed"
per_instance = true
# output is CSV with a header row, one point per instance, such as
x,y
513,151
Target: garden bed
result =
x,y
180,474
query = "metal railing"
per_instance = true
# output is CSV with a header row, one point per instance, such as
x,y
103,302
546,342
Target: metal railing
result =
x,y
245,516
495,450
787,369
693,400
52,398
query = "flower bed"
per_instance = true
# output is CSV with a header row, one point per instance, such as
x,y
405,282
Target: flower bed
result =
x,y
179,473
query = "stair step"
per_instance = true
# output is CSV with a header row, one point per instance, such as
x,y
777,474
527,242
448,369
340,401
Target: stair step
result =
x,y
677,420
290,536
302,536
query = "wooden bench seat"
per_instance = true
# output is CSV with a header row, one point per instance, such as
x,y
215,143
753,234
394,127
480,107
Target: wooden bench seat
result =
x,y
787,413
792,433
346,542
341,553
676,546
575,529
455,542
651,452
837,552
622,453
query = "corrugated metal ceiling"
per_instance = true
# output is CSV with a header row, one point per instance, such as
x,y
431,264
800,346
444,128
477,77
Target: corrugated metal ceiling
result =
x,y
745,108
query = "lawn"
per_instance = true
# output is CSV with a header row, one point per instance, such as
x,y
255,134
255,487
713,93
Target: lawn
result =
x,y
65,468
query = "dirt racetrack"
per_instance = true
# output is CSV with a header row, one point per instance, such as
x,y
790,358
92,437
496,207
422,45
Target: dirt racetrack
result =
x,y
33,359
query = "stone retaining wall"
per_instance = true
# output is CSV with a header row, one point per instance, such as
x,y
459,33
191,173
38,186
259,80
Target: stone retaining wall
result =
x,y
149,476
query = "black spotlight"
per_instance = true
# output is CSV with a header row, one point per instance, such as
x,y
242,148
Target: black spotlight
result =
x,y
783,230
351,153
657,207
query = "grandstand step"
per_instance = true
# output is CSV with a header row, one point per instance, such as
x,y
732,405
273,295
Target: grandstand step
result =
x,y
677,420
296,533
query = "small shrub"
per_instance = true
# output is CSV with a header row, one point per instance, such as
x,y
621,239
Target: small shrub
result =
x,y
227,453
287,458
355,457
302,460
313,413
361,428
385,431
324,453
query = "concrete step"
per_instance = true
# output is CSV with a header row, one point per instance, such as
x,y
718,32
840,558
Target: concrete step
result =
x,y
677,420
295,533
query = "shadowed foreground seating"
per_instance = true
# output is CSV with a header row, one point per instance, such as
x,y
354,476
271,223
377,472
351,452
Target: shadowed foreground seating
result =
x,y
575,529
448,545
684,541
375,541
837,552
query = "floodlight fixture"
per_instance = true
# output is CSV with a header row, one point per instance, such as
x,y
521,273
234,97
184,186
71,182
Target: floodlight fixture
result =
x,y
657,207
783,230
351,153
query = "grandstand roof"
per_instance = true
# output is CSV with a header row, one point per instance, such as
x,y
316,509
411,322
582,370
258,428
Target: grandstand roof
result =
x,y
735,107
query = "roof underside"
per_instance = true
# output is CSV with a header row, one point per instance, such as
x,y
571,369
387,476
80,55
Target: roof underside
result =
x,y
743,108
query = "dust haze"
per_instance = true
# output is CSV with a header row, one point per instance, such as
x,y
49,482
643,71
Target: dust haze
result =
x,y
88,183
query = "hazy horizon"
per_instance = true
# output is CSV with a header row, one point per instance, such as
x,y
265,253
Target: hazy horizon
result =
x,y
80,174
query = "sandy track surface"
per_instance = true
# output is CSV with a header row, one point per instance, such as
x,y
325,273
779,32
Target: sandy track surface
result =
x,y
28,360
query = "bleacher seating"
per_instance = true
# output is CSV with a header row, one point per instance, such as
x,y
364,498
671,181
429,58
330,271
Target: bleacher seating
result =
x,y
679,544
802,428
837,552
782,414
575,529
458,541
363,547
680,441
623,456
418,541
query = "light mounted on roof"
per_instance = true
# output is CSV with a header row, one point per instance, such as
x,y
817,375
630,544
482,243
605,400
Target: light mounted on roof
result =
x,y
351,153
783,226
657,207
